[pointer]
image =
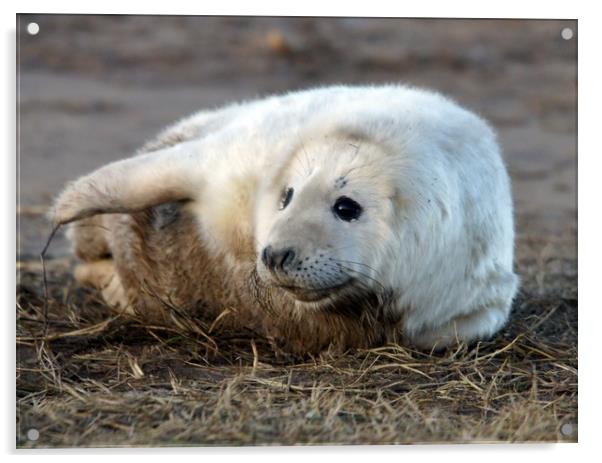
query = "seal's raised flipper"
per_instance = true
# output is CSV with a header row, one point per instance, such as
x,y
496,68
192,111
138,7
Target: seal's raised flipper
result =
x,y
134,184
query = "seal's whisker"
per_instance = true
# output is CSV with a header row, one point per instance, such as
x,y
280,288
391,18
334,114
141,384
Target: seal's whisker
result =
x,y
356,263
357,272
302,149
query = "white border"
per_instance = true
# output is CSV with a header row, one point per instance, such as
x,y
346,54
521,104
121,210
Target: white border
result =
x,y
375,8
590,197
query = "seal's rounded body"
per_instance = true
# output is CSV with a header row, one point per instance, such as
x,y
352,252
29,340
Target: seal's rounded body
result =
x,y
343,215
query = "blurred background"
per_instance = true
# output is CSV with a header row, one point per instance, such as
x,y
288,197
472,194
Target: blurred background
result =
x,y
93,88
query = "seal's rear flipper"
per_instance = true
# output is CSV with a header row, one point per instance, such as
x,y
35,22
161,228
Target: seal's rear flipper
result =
x,y
102,275
90,238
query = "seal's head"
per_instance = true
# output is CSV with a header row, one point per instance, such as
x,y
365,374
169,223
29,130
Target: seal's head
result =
x,y
324,221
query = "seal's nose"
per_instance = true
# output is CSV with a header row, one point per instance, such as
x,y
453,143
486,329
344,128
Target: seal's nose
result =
x,y
279,259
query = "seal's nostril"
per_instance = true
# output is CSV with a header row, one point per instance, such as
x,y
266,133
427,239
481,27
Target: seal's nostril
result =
x,y
279,259
288,255
267,258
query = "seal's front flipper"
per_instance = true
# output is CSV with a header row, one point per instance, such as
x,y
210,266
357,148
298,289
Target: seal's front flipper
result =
x,y
476,326
134,184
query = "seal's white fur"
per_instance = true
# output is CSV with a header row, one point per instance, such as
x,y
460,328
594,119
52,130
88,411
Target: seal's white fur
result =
x,y
437,226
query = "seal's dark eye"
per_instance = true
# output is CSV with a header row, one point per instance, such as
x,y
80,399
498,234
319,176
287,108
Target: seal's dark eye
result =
x,y
347,209
286,198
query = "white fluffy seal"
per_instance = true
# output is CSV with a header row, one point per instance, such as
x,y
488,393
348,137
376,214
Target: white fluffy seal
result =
x,y
340,215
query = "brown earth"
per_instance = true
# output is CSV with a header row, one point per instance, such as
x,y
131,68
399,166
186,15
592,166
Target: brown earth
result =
x,y
92,89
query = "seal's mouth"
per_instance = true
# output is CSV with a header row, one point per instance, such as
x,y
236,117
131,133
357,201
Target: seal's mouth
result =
x,y
314,294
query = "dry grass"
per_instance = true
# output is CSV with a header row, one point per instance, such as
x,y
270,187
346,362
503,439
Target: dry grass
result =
x,y
100,380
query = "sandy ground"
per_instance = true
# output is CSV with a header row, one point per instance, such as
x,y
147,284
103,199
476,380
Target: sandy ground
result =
x,y
93,89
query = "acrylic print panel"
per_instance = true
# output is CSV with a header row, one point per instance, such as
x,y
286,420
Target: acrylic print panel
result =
x,y
134,338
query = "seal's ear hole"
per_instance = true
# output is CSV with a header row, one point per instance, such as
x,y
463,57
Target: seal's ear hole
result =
x,y
347,209
287,196
398,201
